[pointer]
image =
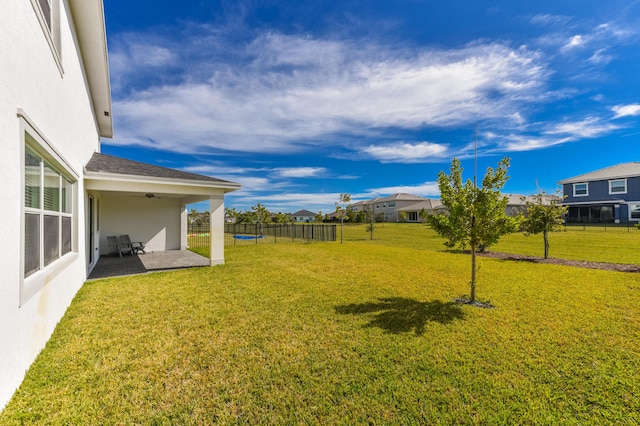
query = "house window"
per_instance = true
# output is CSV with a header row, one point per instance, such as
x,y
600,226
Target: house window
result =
x,y
580,189
48,210
618,186
634,211
392,203
413,216
48,14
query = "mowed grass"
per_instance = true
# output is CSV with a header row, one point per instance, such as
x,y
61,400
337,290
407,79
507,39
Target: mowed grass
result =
x,y
360,333
597,244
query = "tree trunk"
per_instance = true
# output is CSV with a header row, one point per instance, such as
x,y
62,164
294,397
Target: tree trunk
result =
x,y
473,273
545,235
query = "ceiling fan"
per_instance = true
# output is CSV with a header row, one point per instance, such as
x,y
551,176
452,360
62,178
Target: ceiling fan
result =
x,y
149,195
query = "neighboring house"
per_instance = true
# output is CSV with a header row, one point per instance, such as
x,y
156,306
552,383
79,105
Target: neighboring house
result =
x,y
517,203
387,209
610,195
335,216
361,206
61,197
303,216
412,211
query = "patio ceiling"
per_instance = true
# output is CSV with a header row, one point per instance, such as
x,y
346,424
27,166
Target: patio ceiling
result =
x,y
131,186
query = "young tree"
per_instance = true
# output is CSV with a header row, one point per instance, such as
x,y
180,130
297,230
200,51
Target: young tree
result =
x,y
261,215
232,214
319,217
246,216
476,215
372,221
281,218
341,207
423,215
193,217
544,214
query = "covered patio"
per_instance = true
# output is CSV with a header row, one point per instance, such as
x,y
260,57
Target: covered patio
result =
x,y
114,265
149,204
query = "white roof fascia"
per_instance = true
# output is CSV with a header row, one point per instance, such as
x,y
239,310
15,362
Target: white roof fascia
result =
x,y
114,177
89,23
619,171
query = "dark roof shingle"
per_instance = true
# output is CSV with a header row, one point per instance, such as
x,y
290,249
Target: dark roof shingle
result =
x,y
103,163
303,213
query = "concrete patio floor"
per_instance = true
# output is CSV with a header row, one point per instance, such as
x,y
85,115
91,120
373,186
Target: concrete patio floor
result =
x,y
113,265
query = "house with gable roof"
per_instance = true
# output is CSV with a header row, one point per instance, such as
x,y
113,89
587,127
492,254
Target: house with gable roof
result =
x,y
609,195
388,208
303,216
61,196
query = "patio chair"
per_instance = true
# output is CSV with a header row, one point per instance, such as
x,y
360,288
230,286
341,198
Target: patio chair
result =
x,y
136,246
118,246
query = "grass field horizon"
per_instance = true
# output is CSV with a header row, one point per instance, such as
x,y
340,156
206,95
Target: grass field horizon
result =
x,y
365,332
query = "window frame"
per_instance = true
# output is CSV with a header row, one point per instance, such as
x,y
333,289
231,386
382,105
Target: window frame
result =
x,y
586,186
51,28
619,192
30,136
630,209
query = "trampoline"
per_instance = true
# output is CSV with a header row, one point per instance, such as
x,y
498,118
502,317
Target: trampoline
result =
x,y
248,237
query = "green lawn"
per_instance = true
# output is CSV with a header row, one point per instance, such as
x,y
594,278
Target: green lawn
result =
x,y
360,333
613,245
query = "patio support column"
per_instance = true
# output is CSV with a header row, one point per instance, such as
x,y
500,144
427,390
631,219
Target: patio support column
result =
x,y
183,227
216,226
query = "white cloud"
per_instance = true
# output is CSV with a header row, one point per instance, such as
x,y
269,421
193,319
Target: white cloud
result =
x,y
134,57
575,41
403,152
292,93
218,169
519,143
426,189
626,110
288,202
299,172
600,57
590,127
548,19
250,184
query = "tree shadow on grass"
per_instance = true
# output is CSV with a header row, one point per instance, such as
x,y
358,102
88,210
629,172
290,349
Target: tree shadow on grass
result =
x,y
401,315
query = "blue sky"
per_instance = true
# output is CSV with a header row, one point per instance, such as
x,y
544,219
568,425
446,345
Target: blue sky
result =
x,y
302,101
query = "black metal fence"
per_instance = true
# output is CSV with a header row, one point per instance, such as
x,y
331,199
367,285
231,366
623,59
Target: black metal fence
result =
x,y
272,233
624,227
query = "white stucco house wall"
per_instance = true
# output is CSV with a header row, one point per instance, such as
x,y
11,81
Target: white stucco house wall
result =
x,y
60,196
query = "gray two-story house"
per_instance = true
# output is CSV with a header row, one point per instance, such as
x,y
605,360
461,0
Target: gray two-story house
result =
x,y
609,195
